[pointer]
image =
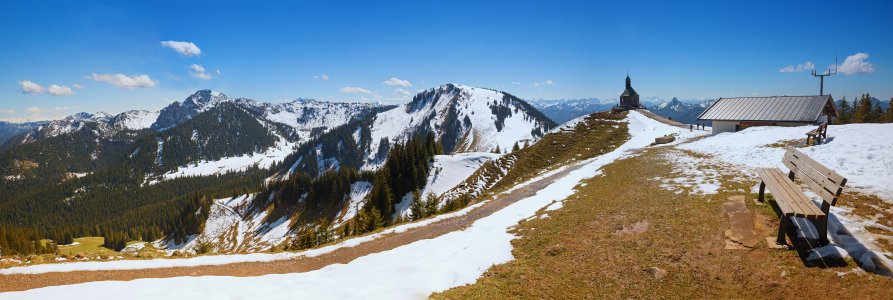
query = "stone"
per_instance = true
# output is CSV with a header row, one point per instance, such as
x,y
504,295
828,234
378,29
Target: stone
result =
x,y
741,220
773,243
664,139
746,238
733,207
736,198
659,274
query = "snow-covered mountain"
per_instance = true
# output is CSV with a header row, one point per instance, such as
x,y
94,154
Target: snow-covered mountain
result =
x,y
134,120
303,115
88,117
463,118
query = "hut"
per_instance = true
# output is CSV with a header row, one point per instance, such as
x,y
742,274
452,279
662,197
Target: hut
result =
x,y
734,114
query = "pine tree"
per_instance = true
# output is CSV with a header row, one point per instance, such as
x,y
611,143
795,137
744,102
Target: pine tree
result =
x,y
888,118
515,147
844,110
416,207
863,113
497,150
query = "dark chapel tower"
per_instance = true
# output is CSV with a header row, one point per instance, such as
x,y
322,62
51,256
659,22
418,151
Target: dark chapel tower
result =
x,y
629,99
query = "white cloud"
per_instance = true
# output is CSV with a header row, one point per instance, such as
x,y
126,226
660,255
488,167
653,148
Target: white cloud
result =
x,y
80,107
7,111
856,64
78,86
364,98
29,100
31,88
167,100
124,82
314,76
518,83
218,72
754,94
326,77
420,90
549,82
800,68
296,93
535,84
198,71
354,90
171,76
397,82
36,109
402,92
188,49
56,90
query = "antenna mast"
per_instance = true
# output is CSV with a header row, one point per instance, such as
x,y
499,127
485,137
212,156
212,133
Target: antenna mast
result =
x,y
822,76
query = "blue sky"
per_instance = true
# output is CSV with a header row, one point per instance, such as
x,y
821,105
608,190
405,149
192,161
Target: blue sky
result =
x,y
544,49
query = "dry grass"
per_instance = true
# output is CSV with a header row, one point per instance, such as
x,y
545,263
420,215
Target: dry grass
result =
x,y
578,253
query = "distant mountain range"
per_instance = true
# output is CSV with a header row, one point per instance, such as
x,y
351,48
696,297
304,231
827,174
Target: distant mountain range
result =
x,y
8,129
682,112
562,110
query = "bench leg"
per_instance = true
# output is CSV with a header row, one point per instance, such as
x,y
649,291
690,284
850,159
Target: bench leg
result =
x,y
791,175
782,227
807,140
762,191
821,228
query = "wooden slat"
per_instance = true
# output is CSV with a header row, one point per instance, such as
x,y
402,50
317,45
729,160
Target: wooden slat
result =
x,y
797,199
825,194
772,184
832,189
789,198
833,176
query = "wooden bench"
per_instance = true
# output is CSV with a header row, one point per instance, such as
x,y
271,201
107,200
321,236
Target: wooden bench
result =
x,y
815,134
791,200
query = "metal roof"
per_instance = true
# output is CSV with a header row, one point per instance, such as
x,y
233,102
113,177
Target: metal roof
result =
x,y
775,109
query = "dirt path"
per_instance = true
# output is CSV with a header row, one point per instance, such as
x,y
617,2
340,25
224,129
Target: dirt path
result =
x,y
341,256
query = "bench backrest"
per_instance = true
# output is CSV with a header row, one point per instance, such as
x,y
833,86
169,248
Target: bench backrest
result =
x,y
823,181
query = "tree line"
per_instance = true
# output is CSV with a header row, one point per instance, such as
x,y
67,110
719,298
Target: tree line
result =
x,y
863,110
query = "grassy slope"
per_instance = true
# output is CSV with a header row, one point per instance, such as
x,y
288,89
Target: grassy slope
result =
x,y
577,253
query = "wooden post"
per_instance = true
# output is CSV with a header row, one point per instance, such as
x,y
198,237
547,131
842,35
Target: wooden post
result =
x,y
791,175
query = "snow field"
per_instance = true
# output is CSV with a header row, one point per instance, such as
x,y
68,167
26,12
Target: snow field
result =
x,y
233,163
358,191
453,169
862,153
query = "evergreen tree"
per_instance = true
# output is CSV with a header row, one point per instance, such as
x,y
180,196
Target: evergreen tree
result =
x,y
844,110
515,147
416,207
888,118
863,113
